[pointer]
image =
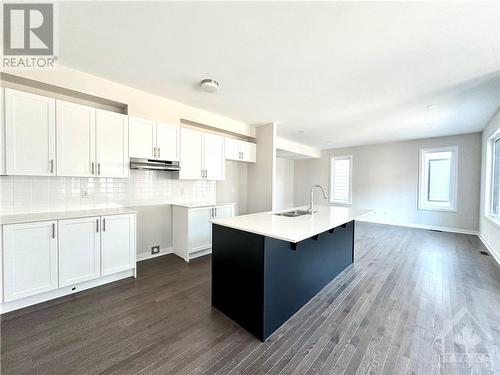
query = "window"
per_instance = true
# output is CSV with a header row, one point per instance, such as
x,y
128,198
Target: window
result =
x,y
493,193
341,179
438,179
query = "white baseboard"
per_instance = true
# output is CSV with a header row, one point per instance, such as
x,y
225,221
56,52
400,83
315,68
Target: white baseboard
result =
x,y
419,226
490,248
148,255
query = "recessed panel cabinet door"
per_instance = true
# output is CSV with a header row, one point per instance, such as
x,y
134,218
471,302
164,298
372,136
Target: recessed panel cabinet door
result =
x,y
117,243
142,138
232,149
191,154
248,151
30,134
214,157
223,211
79,250
200,229
167,141
112,144
75,139
30,259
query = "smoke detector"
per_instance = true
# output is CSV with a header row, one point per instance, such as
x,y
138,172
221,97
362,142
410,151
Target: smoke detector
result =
x,y
209,85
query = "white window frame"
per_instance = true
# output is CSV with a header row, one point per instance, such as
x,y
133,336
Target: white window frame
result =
x,y
423,178
332,174
490,167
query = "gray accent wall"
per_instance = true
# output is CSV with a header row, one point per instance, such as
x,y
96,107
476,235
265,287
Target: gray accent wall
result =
x,y
385,179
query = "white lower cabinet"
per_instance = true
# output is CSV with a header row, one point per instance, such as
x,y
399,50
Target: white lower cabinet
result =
x,y
49,259
117,243
192,230
30,259
79,250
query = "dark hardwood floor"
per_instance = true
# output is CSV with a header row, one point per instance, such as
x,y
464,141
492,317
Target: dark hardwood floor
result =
x,y
415,301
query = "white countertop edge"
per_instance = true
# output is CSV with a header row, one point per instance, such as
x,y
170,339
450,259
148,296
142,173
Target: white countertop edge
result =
x,y
61,215
320,229
207,204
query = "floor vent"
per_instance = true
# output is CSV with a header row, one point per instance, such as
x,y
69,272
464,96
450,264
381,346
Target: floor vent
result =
x,y
484,253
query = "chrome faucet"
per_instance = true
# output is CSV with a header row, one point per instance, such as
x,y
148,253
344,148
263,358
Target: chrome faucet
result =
x,y
311,200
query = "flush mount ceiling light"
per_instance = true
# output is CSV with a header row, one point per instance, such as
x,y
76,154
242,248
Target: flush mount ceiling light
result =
x,y
209,85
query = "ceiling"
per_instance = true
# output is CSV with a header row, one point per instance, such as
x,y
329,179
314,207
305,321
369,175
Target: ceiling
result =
x,y
331,74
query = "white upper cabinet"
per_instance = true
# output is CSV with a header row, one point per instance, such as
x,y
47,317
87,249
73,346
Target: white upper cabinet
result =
x,y
30,134
79,250
142,138
202,155
167,141
240,150
153,140
30,259
191,155
76,155
117,243
214,161
111,144
248,151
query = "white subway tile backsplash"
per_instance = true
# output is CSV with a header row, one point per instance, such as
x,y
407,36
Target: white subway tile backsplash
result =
x,y
24,194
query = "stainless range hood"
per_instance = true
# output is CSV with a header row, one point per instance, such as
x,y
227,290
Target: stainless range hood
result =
x,y
152,164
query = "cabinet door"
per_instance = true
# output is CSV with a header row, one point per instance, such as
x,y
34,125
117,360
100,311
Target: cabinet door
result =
x,y
248,151
79,250
167,141
214,160
30,134
117,243
112,144
191,154
75,139
30,259
142,138
199,229
232,149
223,211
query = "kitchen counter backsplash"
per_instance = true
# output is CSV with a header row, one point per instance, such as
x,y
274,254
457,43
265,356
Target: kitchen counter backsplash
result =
x,y
27,194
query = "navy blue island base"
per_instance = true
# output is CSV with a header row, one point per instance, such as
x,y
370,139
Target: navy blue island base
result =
x,y
260,282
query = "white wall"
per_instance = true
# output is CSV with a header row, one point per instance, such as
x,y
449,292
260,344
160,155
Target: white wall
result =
x,y
385,178
284,183
234,188
262,174
488,230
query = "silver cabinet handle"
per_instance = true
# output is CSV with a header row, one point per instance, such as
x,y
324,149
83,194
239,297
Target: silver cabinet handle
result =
x,y
215,211
99,168
92,168
51,165
159,152
202,173
154,152
104,225
97,225
53,230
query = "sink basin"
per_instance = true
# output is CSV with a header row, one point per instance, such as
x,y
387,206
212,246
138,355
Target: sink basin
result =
x,y
293,213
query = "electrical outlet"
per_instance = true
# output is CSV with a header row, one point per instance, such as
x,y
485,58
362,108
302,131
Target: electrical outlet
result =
x,y
155,250
84,193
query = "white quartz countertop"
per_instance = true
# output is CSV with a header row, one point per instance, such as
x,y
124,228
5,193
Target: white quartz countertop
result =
x,y
293,229
202,204
60,215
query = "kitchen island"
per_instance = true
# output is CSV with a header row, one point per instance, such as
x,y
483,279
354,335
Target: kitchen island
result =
x,y
266,266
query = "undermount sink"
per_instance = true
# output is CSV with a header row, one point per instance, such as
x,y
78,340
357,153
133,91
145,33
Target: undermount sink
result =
x,y
294,213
